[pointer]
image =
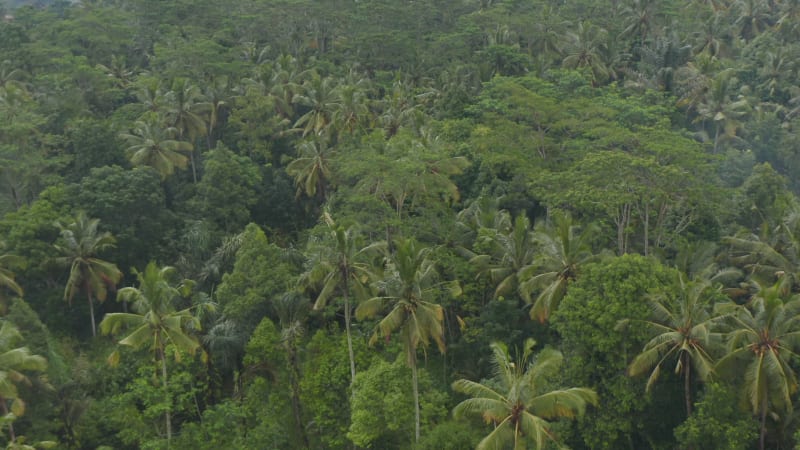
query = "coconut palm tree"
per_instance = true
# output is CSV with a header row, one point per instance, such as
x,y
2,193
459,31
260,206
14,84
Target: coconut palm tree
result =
x,y
184,113
351,109
585,48
510,261
80,244
763,338
638,18
773,258
155,320
312,168
320,97
720,109
517,401
683,330
11,76
157,147
408,288
292,310
561,250
753,17
14,362
217,100
341,265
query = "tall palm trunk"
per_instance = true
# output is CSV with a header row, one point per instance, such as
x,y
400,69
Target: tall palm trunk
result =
x,y
763,433
194,167
294,381
415,382
167,414
347,314
91,312
687,384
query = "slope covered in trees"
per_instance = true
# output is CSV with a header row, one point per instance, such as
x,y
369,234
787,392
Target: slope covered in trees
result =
x,y
385,224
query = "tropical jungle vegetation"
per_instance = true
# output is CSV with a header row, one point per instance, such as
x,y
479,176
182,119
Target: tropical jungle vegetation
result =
x,y
387,224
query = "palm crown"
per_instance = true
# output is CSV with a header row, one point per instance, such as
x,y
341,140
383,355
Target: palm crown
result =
x,y
516,402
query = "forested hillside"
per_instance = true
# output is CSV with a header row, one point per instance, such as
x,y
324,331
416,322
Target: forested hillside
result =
x,y
390,224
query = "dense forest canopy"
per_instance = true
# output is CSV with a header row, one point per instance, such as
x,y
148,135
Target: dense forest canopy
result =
x,y
438,224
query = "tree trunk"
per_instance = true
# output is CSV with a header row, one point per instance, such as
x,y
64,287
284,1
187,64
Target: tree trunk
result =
x,y
687,385
347,314
167,414
763,433
294,381
415,382
91,313
646,228
194,168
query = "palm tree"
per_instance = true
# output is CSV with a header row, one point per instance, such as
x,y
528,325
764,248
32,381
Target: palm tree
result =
x,y
683,330
350,110
548,32
292,311
723,111
81,242
399,108
771,259
585,49
183,113
562,249
764,337
638,20
217,98
157,147
775,72
155,321
11,76
516,401
319,95
714,36
341,265
312,168
13,362
510,262
754,17
119,71
408,289
285,83
152,97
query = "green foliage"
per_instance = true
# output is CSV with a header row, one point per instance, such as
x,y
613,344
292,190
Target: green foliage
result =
x,y
382,411
261,271
221,425
132,205
92,143
325,374
227,190
450,435
597,352
137,411
718,422
626,114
